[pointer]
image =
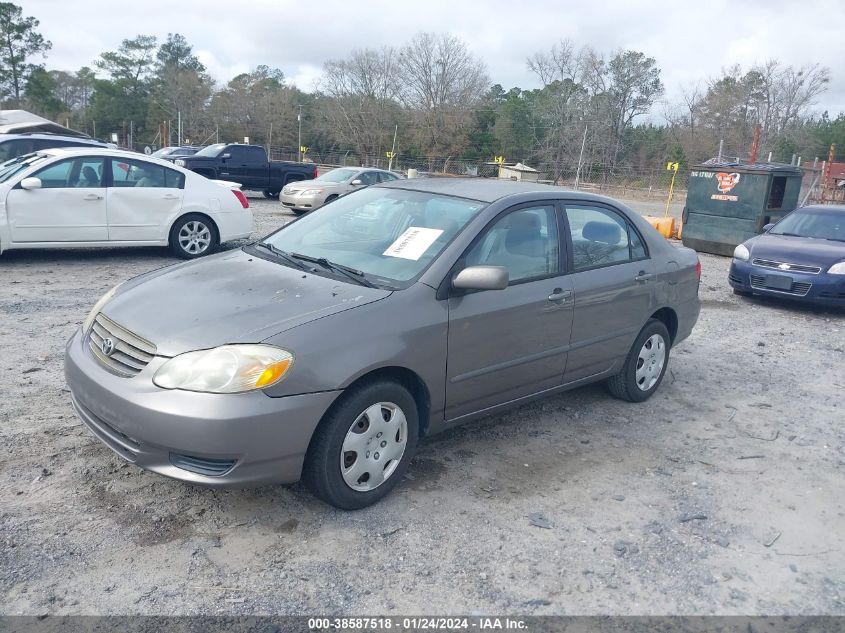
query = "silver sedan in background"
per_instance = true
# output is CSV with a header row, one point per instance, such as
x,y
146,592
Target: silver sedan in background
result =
x,y
307,195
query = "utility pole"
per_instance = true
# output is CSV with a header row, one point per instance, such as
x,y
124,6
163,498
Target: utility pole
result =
x,y
179,127
721,148
580,158
299,138
393,149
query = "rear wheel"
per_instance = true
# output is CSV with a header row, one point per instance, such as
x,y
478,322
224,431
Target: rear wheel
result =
x,y
363,446
192,236
645,365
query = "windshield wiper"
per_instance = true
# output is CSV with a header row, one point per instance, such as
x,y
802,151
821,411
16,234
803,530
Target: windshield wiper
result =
x,y
280,253
351,273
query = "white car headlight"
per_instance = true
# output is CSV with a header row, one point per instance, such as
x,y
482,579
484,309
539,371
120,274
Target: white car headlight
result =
x,y
226,369
89,320
741,253
179,162
837,269
310,192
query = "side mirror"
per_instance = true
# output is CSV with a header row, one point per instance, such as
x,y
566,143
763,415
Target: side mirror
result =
x,y
768,227
225,156
31,183
481,278
356,183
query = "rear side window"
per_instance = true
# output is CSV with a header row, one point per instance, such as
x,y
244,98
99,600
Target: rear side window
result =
x,y
601,237
136,173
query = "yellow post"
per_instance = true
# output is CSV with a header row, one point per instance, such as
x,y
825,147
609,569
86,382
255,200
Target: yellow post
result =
x,y
673,167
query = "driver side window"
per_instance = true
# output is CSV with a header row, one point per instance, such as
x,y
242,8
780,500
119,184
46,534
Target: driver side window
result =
x,y
525,242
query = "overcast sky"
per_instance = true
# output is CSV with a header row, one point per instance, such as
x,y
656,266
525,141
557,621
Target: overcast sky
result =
x,y
691,41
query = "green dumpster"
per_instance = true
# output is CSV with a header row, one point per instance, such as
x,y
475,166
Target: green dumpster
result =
x,y
727,203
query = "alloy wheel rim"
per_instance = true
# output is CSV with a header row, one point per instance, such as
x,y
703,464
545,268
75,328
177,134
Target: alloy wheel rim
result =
x,y
194,237
373,446
650,362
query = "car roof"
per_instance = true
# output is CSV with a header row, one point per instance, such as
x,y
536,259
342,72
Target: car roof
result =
x,y
483,189
832,209
90,151
49,137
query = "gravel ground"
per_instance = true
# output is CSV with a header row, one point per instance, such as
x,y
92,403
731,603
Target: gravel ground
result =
x,y
720,495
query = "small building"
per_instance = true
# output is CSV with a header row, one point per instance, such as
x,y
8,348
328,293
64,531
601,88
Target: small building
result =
x,y
519,171
727,203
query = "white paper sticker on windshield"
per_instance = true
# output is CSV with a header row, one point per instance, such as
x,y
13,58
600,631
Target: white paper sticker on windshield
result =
x,y
413,243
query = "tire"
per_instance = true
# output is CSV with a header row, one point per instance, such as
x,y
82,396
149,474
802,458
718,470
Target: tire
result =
x,y
297,211
347,427
270,195
742,293
329,199
193,235
627,385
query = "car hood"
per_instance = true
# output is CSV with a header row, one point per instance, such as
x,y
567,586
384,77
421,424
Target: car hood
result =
x,y
232,297
797,250
302,185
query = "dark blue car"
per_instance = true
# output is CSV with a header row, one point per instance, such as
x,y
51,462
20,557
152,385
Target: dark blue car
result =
x,y
801,257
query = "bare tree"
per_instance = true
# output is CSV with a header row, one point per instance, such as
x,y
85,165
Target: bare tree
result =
x,y
442,81
363,96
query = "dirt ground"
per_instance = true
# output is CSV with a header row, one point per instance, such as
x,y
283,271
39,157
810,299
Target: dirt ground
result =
x,y
723,494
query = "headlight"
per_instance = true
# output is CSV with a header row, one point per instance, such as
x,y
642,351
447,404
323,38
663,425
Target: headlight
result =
x,y
837,269
89,320
741,253
310,192
226,369
179,162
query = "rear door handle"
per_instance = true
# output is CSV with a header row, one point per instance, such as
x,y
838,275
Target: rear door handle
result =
x,y
170,196
560,295
92,196
643,276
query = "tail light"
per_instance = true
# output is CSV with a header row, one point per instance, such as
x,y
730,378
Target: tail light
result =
x,y
314,177
698,269
241,198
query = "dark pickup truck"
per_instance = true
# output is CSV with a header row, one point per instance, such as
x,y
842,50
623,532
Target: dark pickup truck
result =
x,y
248,165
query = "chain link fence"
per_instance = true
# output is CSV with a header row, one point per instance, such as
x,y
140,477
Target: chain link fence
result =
x,y
615,181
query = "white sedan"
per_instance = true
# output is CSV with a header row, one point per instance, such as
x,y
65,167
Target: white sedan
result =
x,y
84,197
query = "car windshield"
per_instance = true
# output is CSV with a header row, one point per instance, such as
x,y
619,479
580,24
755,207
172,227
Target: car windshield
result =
x,y
17,165
337,175
389,235
822,224
164,151
211,150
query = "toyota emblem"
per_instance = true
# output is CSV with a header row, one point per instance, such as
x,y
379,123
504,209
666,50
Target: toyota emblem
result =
x,y
107,346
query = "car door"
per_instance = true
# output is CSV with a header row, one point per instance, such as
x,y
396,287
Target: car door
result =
x,y
143,199
246,165
510,343
612,278
70,206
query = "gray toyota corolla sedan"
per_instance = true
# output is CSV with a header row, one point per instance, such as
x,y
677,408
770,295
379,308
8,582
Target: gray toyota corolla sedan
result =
x,y
325,351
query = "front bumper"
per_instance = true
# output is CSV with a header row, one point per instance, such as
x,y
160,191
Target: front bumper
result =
x,y
243,439
302,203
819,289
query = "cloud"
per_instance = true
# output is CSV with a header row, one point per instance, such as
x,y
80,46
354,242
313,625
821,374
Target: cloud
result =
x,y
690,41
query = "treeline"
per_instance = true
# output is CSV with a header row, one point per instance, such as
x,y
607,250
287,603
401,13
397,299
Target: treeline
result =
x,y
436,96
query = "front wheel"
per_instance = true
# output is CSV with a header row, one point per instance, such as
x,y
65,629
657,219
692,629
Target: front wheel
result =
x,y
363,446
192,236
645,365
271,194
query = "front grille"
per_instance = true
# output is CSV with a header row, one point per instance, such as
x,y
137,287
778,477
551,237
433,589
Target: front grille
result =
x,y
201,465
799,288
130,353
798,268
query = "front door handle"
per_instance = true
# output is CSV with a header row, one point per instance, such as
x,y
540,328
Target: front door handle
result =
x,y
92,196
560,295
643,276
